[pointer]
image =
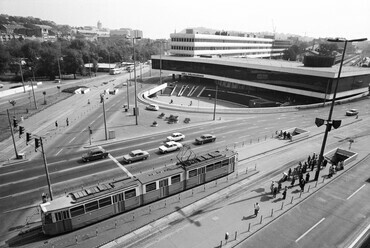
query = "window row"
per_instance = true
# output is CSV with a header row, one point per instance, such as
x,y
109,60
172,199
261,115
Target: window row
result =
x,y
218,40
189,48
211,167
162,183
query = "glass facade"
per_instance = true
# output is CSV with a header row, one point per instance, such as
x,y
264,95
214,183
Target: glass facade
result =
x,y
290,80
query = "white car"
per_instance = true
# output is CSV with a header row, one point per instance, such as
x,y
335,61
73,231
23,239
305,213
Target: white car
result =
x,y
153,107
352,112
135,155
176,137
170,146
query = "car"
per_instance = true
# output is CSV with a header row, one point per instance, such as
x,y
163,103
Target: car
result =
x,y
352,112
170,146
57,81
95,154
176,137
153,107
1,85
205,138
135,155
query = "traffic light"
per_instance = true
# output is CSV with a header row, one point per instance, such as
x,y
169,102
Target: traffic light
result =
x,y
37,144
21,131
15,123
28,138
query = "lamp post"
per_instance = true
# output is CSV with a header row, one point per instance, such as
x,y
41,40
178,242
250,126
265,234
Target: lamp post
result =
x,y
60,74
160,64
20,67
331,123
134,57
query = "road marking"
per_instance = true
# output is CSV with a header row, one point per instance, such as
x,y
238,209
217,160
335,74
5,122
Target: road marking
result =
x,y
359,237
59,152
72,139
121,166
355,192
309,230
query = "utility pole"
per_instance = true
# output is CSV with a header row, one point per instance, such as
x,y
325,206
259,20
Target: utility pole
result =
x,y
11,131
20,66
46,170
136,109
105,122
128,97
214,107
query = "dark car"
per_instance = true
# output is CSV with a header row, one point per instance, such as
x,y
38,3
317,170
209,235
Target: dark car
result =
x,y
205,138
95,154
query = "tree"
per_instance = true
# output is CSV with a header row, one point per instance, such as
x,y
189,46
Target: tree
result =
x,y
72,62
5,59
327,49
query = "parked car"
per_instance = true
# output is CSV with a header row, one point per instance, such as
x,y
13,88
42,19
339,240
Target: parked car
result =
x,y
135,155
1,85
205,138
176,137
170,146
352,112
153,107
95,154
57,81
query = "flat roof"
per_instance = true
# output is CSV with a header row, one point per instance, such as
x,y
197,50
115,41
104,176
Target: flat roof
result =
x,y
159,174
292,67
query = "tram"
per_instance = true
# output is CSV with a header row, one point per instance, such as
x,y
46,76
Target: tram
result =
x,y
81,208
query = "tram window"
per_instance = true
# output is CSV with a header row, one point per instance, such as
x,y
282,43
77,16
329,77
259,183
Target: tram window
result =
x,y
91,206
48,218
175,179
151,187
105,202
58,216
210,167
65,215
193,173
217,165
130,193
77,211
118,197
225,162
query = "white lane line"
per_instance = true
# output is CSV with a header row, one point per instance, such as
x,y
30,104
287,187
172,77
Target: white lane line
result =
x,y
58,152
121,166
309,230
72,139
359,237
91,123
355,192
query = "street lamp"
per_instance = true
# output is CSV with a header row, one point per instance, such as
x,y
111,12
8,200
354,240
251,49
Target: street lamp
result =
x,y
330,123
160,64
60,74
134,57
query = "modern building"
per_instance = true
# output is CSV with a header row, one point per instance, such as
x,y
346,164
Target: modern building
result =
x,y
235,63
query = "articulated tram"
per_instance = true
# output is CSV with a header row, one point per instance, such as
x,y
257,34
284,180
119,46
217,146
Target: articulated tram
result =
x,y
90,205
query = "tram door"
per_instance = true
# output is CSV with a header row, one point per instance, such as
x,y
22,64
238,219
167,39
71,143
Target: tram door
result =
x,y
201,175
163,187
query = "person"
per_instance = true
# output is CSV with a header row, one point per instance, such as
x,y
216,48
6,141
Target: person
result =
x,y
272,187
88,101
171,101
284,192
279,187
275,192
307,177
256,208
22,118
289,172
191,103
56,124
293,181
67,121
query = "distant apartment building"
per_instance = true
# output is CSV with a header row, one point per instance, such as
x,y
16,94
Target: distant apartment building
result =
x,y
126,33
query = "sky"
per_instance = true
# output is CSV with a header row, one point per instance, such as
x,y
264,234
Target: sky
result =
x,y
159,18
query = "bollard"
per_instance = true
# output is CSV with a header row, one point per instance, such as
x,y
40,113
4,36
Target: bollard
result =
x,y
226,237
133,217
236,234
308,188
165,203
243,143
216,182
272,212
249,227
282,205
204,188
291,200
115,224
179,197
192,192
261,220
